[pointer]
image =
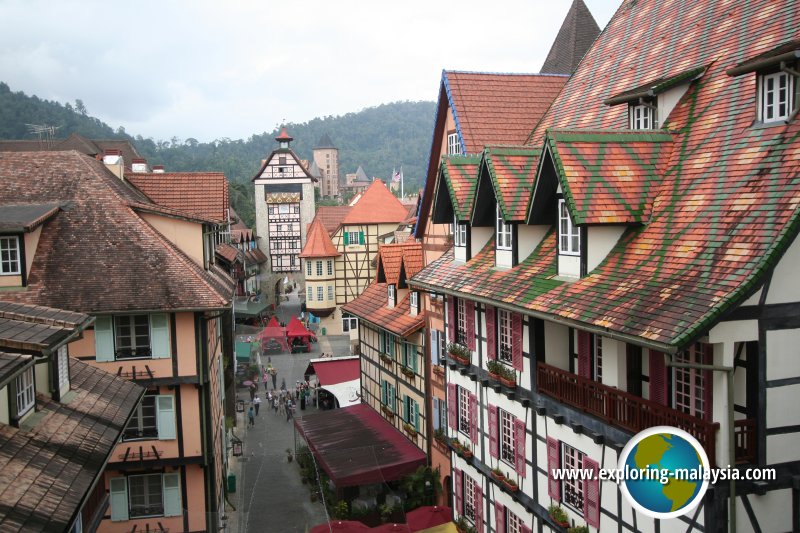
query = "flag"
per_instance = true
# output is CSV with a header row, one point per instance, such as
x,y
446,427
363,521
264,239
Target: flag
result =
x,y
396,176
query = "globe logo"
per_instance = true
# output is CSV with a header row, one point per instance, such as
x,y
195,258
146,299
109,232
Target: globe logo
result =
x,y
665,472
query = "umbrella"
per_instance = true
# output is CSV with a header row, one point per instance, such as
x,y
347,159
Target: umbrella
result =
x,y
247,383
427,517
390,527
340,526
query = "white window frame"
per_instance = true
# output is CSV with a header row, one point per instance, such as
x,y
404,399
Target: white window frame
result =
x,y
463,410
597,341
10,257
349,323
330,292
506,438
391,293
147,496
461,321
330,267
470,490
310,294
502,232
453,144
308,267
319,268
350,240
504,337
413,300
689,392
26,391
320,293
567,231
642,117
781,97
62,365
572,489
143,429
513,522
459,233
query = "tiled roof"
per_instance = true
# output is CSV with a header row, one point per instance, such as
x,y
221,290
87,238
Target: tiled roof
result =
x,y
577,33
239,235
512,171
324,142
75,141
26,217
726,208
609,176
332,216
48,468
371,306
395,258
227,252
32,327
113,260
256,256
204,194
318,242
377,205
460,175
498,108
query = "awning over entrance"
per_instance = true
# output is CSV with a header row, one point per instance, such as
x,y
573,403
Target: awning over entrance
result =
x,y
246,309
357,446
339,376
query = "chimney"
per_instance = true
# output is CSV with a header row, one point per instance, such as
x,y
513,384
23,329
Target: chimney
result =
x,y
112,158
158,169
139,165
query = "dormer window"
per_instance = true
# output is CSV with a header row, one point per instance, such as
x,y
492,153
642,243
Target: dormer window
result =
x,y
10,263
569,236
776,96
391,294
503,232
460,233
642,116
453,145
413,300
26,391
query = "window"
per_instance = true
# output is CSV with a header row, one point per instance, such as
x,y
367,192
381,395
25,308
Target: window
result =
x,y
692,386
387,343
461,321
470,490
282,160
463,411
453,144
320,294
319,268
503,232
283,209
310,294
9,256
354,237
505,353
411,412
330,292
391,293
413,300
573,488
132,336
569,237
26,391
63,367
330,267
146,496
642,117
507,453
460,233
439,414
144,423
598,358
308,268
410,356
388,394
349,323
514,524
776,96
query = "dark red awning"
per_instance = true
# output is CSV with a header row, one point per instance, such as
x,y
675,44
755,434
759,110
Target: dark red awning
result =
x,y
335,371
357,446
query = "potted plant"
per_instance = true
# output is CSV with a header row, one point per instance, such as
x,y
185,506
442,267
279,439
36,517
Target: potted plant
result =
x,y
459,352
386,359
510,484
440,436
410,429
463,526
495,369
498,474
558,514
578,529
387,412
508,378
289,455
466,452
407,372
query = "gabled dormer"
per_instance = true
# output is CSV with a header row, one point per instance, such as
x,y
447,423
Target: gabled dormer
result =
x,y
454,195
593,185
20,228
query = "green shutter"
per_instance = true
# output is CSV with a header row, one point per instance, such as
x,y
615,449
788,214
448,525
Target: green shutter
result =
x,y
118,487
416,416
346,237
360,237
165,404
104,338
413,354
392,398
406,405
384,393
159,335
390,344
172,495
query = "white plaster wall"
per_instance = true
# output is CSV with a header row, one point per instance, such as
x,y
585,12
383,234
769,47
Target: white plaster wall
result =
x,y
556,345
771,511
781,403
42,377
569,265
753,300
734,331
782,354
478,238
784,287
614,364
667,101
460,253
782,448
529,238
503,258
600,241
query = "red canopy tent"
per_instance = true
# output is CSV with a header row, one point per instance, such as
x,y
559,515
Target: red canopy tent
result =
x,y
427,517
273,323
270,335
340,526
297,333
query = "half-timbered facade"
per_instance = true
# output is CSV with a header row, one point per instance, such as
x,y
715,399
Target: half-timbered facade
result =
x,y
630,266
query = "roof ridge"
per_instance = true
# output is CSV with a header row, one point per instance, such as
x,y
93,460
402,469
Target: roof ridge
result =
x,y
492,73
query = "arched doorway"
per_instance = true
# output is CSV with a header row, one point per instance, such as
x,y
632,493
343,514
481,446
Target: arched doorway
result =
x,y
447,491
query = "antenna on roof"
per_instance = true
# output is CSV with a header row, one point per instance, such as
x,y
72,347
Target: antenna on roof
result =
x,y
44,133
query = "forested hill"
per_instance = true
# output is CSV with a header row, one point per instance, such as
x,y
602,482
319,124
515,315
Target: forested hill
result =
x,y
378,138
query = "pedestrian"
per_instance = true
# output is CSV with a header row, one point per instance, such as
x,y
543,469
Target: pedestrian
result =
x,y
274,373
288,409
252,391
283,384
257,403
251,417
265,380
275,405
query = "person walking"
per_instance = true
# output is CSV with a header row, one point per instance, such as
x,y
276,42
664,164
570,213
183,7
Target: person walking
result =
x,y
252,389
274,373
251,417
288,409
283,385
257,403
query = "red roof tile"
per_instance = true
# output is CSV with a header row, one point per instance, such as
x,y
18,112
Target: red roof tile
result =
x,y
403,257
460,175
227,252
204,194
512,171
376,206
371,306
332,216
318,242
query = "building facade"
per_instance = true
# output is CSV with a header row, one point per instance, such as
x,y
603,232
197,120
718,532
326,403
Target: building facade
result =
x,y
326,157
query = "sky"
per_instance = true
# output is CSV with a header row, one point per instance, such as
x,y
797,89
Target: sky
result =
x,y
228,69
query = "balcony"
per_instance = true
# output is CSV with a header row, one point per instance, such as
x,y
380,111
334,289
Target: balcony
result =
x,y
619,408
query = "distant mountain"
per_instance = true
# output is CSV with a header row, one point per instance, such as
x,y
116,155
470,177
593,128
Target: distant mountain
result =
x,y
379,139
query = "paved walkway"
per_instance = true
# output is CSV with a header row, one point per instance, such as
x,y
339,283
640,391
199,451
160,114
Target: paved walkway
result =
x,y
270,496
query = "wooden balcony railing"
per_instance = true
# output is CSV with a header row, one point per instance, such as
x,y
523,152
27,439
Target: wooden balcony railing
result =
x,y
619,408
744,433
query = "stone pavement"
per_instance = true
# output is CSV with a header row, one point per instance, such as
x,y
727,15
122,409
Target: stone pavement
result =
x,y
269,496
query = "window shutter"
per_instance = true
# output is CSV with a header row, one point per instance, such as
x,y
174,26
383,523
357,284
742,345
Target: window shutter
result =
x,y
436,414
516,341
172,495
519,446
478,510
416,416
165,404
493,431
451,405
118,487
553,463
360,237
491,332
412,354
499,517
584,354
384,392
159,335
392,398
458,480
406,409
451,319
525,529
591,490
473,418
434,347
469,309
104,338
658,378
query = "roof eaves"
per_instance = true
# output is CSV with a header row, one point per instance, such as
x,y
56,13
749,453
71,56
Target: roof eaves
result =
x,y
655,87
786,52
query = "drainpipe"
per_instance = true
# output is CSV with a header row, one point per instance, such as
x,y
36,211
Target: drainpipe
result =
x,y
729,370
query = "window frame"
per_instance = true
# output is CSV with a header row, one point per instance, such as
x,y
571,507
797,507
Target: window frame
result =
x,y
503,232
349,323
459,233
572,490
566,228
353,241
505,434
597,357
690,384
391,293
462,416
330,267
319,268
134,345
470,491
453,144
7,249
62,367
331,295
309,294
144,432
134,515
642,116
763,93
25,389
514,524
505,337
320,293
413,300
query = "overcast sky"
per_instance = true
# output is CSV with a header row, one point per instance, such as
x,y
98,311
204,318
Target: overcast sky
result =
x,y
214,69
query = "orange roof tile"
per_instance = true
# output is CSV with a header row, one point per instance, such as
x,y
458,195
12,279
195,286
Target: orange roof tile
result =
x,y
204,194
396,258
318,242
377,205
331,216
371,306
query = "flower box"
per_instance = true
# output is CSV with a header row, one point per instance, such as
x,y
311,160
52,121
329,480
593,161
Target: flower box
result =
x,y
407,372
387,412
558,515
459,353
510,485
498,475
410,429
386,359
510,383
438,370
494,376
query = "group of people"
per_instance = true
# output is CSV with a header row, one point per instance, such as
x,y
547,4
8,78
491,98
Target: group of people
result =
x,y
282,401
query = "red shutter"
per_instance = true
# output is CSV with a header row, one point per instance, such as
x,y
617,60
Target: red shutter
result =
x,y
591,491
473,418
519,446
525,529
658,378
451,319
452,403
491,332
459,486
553,463
516,341
478,510
469,308
708,384
493,427
499,517
584,354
